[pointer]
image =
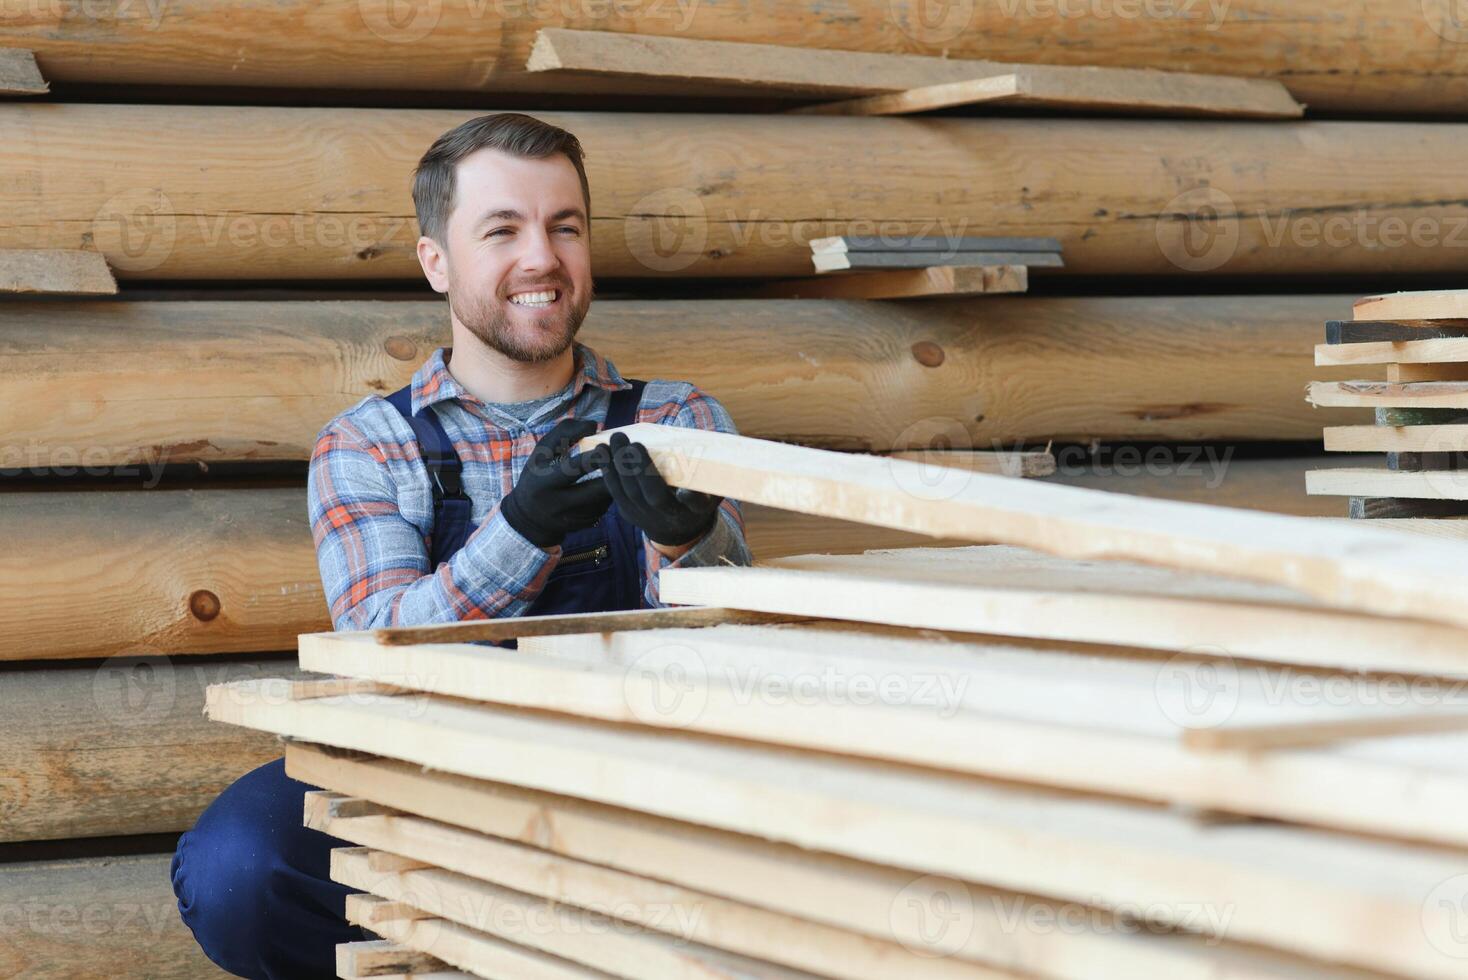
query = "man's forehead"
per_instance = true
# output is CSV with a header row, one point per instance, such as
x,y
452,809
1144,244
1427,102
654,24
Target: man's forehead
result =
x,y
490,173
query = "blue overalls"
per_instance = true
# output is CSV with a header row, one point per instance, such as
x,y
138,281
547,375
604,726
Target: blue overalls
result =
x,y
252,883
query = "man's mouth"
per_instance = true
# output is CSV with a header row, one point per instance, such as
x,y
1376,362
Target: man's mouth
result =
x,y
537,299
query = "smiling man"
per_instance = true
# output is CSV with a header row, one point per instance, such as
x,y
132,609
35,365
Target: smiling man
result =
x,y
459,497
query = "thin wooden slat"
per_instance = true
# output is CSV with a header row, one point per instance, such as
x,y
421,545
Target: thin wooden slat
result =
x,y
1439,304
1354,568
111,917
686,914
1394,351
19,74
839,261
959,374
870,899
377,957
1403,508
60,271
1018,463
884,694
934,281
120,748
594,940
1009,592
1397,373
156,572
877,243
1378,331
1082,849
254,192
1363,482
593,622
1297,734
1384,394
468,949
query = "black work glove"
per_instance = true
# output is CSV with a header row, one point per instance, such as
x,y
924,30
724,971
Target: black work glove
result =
x,y
546,502
668,517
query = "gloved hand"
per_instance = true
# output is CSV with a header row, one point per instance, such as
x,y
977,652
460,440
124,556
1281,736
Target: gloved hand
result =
x,y
546,502
668,517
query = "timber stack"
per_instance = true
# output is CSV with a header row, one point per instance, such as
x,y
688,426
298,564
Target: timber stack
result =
x,y
207,251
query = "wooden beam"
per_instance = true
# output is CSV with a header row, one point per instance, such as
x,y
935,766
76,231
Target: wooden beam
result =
x,y
113,917
934,281
1384,394
686,915
1363,482
597,622
1377,331
246,201
1438,304
819,887
120,748
1402,577
480,954
964,374
19,74
166,572
59,271
1009,592
1075,848
944,701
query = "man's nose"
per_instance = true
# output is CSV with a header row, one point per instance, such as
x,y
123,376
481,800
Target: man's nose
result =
x,y
537,253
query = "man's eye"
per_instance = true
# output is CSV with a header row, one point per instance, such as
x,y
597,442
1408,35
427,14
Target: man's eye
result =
x,y
571,228
497,232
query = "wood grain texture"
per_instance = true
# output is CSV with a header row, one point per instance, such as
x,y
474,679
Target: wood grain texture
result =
x,y
1397,438
200,381
121,748
1385,394
97,917
99,573
949,280
1429,304
1402,58
315,193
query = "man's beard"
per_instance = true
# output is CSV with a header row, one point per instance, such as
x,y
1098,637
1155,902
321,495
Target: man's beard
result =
x,y
490,320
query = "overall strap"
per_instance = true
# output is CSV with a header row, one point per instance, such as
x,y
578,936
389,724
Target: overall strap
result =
x,y
445,471
623,408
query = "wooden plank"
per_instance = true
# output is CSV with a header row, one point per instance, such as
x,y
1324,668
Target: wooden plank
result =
x,y
1363,482
1009,592
599,622
60,271
589,938
378,957
1379,331
1384,394
1401,577
1448,527
838,261
934,281
480,954
927,243
1397,373
120,748
927,701
769,67
820,887
656,905
1394,351
1017,463
1296,734
166,572
245,202
96,917
1081,849
1432,304
976,373
19,74
1420,416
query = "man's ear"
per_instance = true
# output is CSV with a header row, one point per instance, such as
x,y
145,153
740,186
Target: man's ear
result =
x,y
435,263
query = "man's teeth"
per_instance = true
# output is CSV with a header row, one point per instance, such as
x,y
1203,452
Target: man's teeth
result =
x,y
544,298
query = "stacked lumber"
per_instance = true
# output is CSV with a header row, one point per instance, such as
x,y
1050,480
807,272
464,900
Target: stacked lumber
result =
x,y
987,761
1420,407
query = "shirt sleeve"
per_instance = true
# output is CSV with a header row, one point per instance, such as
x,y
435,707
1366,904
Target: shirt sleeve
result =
x,y
722,544
374,562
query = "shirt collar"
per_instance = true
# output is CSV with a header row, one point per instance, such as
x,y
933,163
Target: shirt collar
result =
x,y
432,382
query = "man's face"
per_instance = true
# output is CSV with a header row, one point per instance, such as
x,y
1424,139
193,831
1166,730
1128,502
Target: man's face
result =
x,y
518,260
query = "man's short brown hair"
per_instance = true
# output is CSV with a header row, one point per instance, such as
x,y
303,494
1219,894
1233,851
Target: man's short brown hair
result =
x,y
509,132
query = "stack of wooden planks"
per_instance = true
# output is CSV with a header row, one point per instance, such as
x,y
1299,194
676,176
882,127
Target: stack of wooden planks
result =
x,y
1244,757
1421,406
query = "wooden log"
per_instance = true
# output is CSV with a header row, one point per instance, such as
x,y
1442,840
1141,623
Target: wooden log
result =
x,y
256,192
953,374
61,271
1403,60
1009,592
94,574
1084,849
866,898
122,748
19,74
1400,577
96,917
